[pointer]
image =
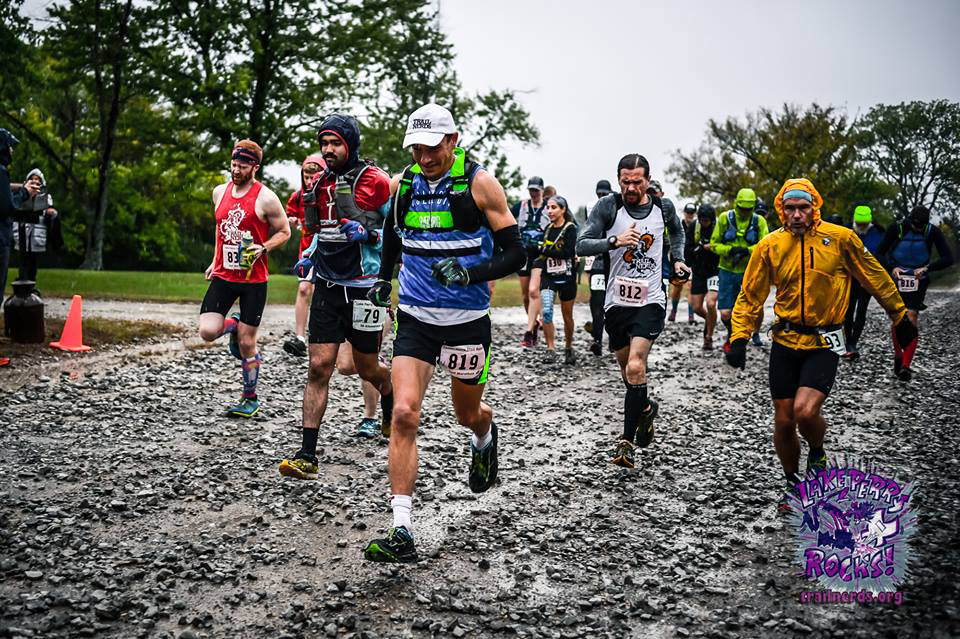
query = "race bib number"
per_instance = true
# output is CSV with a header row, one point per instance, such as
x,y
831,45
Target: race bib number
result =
x,y
588,262
907,283
598,282
556,266
367,316
713,283
231,257
835,340
463,362
629,291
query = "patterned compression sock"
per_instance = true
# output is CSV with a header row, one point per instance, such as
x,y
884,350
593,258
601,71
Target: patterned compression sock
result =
x,y
251,373
634,404
673,305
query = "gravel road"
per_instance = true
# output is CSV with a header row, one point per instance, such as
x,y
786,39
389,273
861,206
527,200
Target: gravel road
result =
x,y
130,508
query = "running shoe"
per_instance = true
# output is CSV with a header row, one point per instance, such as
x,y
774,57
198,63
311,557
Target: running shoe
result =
x,y
569,359
247,407
302,466
708,343
645,430
396,548
853,352
483,463
904,374
597,349
816,463
296,347
527,341
368,428
897,364
755,340
787,500
386,417
726,347
623,456
234,343
673,316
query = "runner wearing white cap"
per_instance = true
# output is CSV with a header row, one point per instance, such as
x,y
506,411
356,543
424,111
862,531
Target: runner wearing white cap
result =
x,y
447,216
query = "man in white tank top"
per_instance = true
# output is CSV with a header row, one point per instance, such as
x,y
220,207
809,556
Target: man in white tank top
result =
x,y
629,227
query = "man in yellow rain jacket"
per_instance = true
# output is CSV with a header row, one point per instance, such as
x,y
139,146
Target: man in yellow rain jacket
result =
x,y
811,263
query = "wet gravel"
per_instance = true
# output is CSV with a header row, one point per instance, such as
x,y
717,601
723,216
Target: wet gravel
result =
x,y
130,508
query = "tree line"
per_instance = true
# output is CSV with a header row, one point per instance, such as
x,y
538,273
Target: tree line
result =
x,y
131,108
891,158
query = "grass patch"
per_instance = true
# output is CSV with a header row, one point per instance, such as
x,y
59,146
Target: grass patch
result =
x,y
191,287
97,332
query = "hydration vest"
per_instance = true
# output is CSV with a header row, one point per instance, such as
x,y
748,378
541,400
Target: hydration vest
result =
x,y
464,214
752,235
911,249
345,203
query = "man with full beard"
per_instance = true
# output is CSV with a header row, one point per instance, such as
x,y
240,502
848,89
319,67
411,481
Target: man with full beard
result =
x,y
251,222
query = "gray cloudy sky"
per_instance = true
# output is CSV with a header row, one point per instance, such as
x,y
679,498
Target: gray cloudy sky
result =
x,y
606,78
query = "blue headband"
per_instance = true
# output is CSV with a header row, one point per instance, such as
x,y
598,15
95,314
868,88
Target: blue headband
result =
x,y
799,194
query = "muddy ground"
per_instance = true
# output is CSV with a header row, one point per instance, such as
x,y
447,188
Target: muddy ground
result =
x,y
130,508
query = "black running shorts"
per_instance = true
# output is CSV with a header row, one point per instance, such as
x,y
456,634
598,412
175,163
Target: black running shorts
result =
x,y
623,323
914,299
532,255
221,295
333,318
464,347
791,368
567,290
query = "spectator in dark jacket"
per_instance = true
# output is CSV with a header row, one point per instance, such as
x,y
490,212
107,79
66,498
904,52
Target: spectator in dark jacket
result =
x,y
31,230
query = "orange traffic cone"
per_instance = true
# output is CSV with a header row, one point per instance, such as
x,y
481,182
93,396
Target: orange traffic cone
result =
x,y
72,337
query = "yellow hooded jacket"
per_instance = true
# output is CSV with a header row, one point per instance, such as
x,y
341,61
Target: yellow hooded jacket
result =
x,y
812,275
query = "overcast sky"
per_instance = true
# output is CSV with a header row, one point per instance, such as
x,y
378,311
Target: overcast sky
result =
x,y
605,78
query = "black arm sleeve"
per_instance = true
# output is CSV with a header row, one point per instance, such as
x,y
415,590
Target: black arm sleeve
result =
x,y
390,250
944,254
509,259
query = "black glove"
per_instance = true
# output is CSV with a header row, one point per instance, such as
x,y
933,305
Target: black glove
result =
x,y
905,332
738,253
737,353
449,271
379,293
677,275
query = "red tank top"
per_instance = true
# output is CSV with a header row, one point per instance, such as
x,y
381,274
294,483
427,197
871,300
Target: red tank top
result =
x,y
234,216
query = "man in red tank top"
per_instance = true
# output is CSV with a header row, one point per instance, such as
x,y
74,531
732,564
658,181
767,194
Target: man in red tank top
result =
x,y
310,171
250,222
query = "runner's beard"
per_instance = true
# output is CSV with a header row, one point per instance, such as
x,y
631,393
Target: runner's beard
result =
x,y
238,179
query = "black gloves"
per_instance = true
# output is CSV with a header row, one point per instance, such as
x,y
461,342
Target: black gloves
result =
x,y
905,332
738,253
449,271
379,293
737,353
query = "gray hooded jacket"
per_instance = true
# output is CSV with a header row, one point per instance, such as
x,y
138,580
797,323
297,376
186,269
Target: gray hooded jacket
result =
x,y
31,236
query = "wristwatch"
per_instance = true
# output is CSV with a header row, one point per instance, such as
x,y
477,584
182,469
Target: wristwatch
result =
x,y
612,241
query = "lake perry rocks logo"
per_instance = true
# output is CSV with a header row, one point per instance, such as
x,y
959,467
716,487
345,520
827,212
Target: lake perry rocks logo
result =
x,y
853,522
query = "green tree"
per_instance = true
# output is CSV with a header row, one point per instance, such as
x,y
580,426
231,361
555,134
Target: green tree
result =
x,y
767,147
916,147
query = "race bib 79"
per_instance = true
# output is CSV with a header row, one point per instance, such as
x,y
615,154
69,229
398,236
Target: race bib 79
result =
x,y
367,316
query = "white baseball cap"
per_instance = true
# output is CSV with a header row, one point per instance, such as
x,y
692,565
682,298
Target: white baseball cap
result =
x,y
427,126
